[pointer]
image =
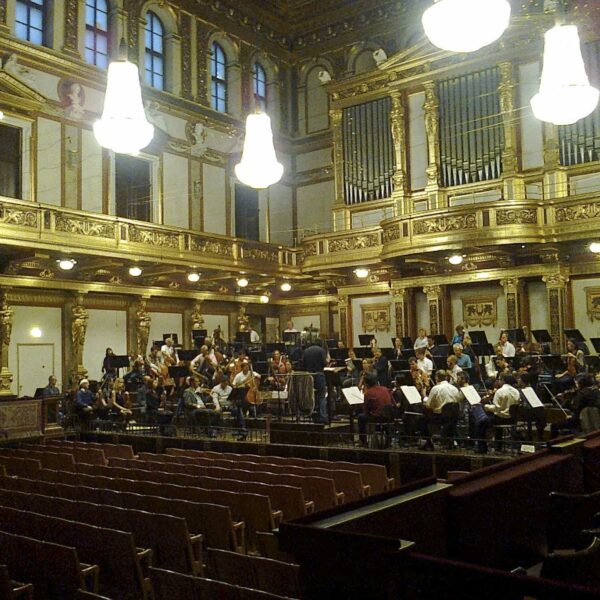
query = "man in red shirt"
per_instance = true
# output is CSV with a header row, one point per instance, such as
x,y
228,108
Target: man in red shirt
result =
x,y
376,398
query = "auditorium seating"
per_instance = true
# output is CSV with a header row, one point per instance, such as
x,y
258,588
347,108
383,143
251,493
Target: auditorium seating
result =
x,y
568,516
12,590
578,566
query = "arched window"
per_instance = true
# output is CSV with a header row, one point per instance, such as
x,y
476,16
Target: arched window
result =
x,y
155,53
259,87
30,20
96,33
218,77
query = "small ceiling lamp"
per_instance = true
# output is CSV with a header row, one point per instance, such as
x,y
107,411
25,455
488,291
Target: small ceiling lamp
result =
x,y
565,95
123,127
193,277
285,287
242,282
66,264
465,25
259,167
135,271
264,299
595,247
362,272
456,259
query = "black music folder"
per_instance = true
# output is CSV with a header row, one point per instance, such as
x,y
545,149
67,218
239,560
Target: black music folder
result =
x,y
365,339
516,335
542,336
574,334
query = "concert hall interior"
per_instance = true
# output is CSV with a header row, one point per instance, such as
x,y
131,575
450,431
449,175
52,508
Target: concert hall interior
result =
x,y
291,290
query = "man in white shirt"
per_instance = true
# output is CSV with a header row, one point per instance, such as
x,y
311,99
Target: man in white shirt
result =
x,y
443,392
169,353
254,337
220,395
498,412
421,341
424,363
290,327
508,350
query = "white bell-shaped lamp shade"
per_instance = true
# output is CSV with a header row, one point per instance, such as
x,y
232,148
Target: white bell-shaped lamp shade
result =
x,y
565,94
465,25
259,167
123,126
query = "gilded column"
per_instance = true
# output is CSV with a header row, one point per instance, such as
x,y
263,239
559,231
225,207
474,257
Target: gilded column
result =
x,y
6,322
556,288
513,289
71,44
432,126
3,23
335,118
133,26
343,312
434,295
186,55
197,319
401,311
142,326
514,187
555,176
79,319
243,322
203,34
398,127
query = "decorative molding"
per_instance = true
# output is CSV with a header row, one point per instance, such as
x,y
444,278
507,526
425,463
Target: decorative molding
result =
x,y
445,224
71,8
153,237
578,212
186,55
480,311
88,227
375,317
524,216
356,242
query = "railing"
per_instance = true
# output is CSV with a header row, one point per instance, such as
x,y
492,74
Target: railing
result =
x,y
22,221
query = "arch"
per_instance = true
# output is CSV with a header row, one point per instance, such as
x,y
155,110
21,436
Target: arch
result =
x,y
313,96
360,58
219,65
233,80
154,51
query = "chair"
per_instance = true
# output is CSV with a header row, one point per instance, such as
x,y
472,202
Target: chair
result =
x,y
589,419
169,585
568,516
505,427
11,590
581,567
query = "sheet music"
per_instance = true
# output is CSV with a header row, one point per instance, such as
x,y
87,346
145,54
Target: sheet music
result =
x,y
282,395
471,394
532,397
412,394
353,395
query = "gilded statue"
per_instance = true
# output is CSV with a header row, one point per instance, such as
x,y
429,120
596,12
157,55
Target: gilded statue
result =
x,y
197,318
6,319
78,327
243,320
143,320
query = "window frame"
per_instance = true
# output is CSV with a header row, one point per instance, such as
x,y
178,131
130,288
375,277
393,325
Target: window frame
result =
x,y
259,77
156,56
219,102
96,33
40,6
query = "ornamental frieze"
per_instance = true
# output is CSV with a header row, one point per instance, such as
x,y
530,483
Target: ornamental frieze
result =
x,y
525,216
17,216
580,212
200,244
445,224
153,238
85,227
310,249
261,254
391,234
358,242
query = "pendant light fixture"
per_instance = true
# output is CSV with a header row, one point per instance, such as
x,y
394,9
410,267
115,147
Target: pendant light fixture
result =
x,y
259,167
123,127
565,95
465,25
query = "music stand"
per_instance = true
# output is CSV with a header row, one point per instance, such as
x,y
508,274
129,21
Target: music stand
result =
x,y
407,342
338,354
542,336
198,337
363,352
119,362
238,397
331,343
242,337
187,354
291,337
440,340
478,338
365,339
173,336
516,335
575,335
553,362
357,364
596,344
158,344
272,346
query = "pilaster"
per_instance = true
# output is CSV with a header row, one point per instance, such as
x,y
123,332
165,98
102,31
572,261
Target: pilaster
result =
x,y
6,323
398,127
335,119
513,294
556,287
344,315
435,296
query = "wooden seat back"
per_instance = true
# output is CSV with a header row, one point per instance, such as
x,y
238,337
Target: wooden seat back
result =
x,y
12,590
23,467
569,515
581,566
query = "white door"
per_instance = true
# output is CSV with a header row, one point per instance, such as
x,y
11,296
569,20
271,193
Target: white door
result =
x,y
35,364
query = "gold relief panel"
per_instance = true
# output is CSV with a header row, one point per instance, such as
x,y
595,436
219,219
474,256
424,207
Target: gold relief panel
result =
x,y
200,244
71,25
186,55
310,249
445,224
357,242
87,227
19,217
480,312
525,216
592,295
391,234
264,254
375,317
153,238
579,212
21,419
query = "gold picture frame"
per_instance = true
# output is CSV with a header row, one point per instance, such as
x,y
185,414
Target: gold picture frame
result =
x,y
375,317
480,311
592,295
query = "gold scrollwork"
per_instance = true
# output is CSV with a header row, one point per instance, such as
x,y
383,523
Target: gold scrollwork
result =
x,y
200,244
391,234
310,249
16,216
579,212
525,216
358,242
261,254
85,227
153,238
445,224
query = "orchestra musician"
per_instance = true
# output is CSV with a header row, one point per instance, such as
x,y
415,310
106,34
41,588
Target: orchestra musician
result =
x,y
459,336
277,378
51,389
421,341
442,393
397,350
453,368
352,375
118,401
315,360
195,410
424,363
462,360
377,397
586,395
108,370
169,353
382,366
575,360
220,395
508,350
419,377
249,379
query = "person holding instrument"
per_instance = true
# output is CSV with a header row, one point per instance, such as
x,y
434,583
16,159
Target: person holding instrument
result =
x,y
575,364
249,379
